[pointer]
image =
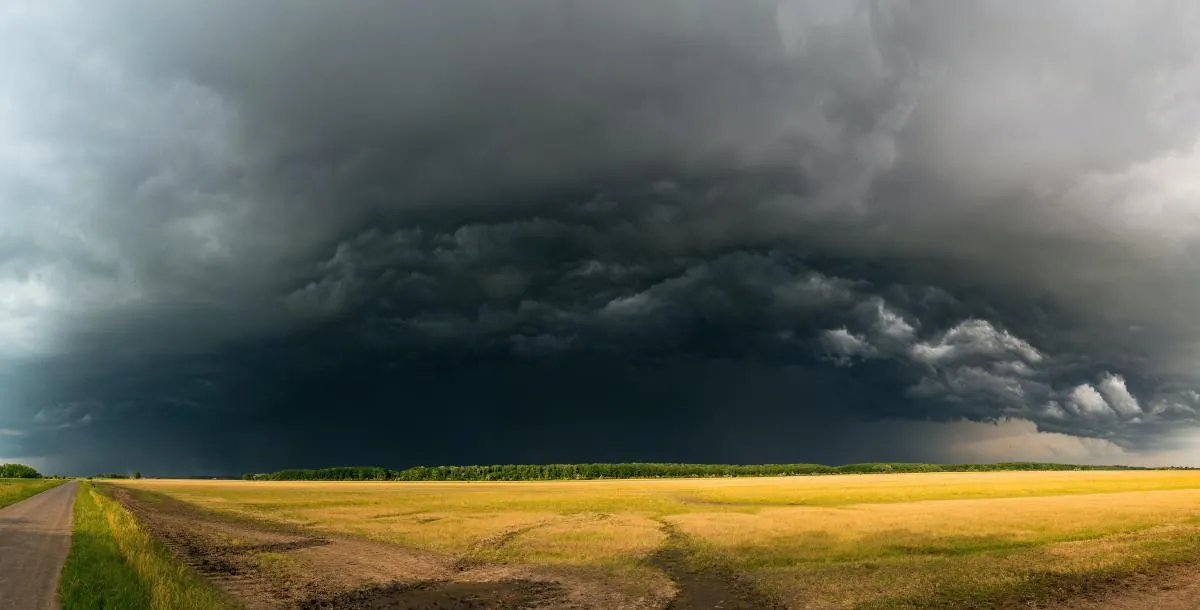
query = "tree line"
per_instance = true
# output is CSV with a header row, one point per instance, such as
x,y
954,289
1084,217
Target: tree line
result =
x,y
636,470
18,471
116,475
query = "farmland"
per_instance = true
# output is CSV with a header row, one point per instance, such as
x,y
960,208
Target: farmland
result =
x,y
851,541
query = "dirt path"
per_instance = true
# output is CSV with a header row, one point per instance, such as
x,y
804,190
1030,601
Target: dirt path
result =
x,y
35,535
705,587
270,566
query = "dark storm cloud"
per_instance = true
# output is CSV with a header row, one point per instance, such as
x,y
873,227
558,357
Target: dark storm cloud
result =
x,y
247,235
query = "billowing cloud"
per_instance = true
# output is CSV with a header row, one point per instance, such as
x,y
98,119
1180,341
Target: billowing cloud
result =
x,y
844,346
1118,397
975,338
577,228
1085,401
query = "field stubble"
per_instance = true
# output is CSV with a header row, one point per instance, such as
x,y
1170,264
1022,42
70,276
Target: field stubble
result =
x,y
913,540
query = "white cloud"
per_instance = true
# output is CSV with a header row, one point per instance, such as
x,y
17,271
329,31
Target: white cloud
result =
x,y
1087,402
1118,396
975,337
891,324
843,346
1053,410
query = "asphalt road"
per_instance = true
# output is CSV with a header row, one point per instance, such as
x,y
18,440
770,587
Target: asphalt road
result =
x,y
35,535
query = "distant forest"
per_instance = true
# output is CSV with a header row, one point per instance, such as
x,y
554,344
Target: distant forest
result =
x,y
554,472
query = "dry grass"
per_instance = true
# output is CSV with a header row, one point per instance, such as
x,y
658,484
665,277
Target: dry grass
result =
x,y
813,541
15,490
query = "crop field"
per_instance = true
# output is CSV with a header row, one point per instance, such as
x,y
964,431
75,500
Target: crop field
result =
x,y
15,490
897,540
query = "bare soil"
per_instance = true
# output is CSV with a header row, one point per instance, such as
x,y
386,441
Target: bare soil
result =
x,y
504,594
1174,587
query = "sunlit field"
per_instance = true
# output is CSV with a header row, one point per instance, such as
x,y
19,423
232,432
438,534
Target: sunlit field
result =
x,y
15,490
854,540
115,563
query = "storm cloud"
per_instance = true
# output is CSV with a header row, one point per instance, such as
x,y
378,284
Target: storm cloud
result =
x,y
239,236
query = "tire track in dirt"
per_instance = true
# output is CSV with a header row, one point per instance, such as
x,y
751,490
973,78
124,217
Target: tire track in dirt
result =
x,y
706,587
471,559
499,540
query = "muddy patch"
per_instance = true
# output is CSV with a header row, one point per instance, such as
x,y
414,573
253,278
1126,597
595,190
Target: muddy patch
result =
x,y
280,547
708,586
446,596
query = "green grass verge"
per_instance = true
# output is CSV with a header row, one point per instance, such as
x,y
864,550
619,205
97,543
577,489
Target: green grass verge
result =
x,y
115,563
15,490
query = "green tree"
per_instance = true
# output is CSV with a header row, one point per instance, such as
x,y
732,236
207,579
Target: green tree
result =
x,y
18,471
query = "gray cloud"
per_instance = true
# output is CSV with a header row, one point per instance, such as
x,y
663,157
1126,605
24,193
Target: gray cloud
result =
x,y
980,210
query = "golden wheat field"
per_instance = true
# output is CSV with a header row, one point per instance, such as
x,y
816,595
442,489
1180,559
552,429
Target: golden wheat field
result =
x,y
820,541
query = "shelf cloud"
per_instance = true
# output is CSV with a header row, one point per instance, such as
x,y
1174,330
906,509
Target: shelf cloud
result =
x,y
239,236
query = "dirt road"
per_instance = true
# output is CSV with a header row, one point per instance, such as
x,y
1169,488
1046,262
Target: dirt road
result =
x,y
35,536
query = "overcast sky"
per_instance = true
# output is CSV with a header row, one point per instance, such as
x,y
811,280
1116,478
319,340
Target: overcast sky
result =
x,y
241,236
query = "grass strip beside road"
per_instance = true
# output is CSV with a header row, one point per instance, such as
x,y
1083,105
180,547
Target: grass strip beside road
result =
x,y
115,563
15,490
